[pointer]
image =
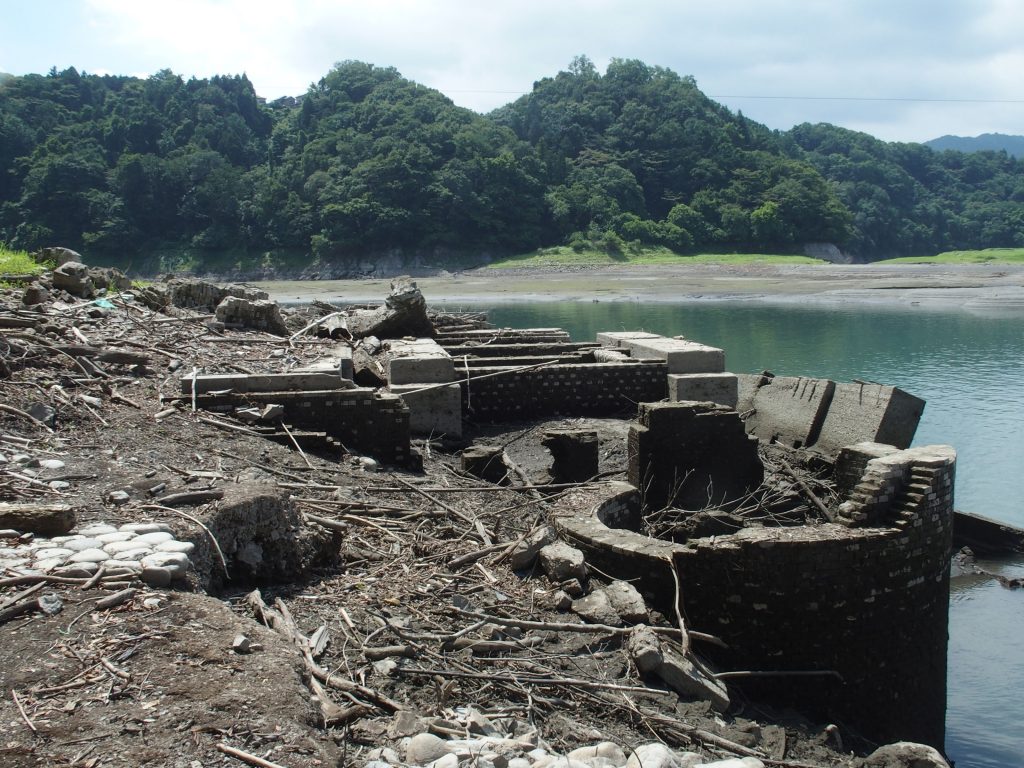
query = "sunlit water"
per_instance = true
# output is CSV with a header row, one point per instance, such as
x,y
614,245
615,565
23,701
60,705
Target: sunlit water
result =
x,y
970,369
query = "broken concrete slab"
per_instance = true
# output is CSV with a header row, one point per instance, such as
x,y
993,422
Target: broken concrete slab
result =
x,y
681,356
418,361
619,338
267,382
721,388
862,411
791,410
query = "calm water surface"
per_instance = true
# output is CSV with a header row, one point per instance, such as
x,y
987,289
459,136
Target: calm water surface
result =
x,y
970,369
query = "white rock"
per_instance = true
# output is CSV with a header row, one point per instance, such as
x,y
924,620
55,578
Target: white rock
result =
x,y
156,577
146,527
48,564
425,748
445,761
115,537
735,762
187,547
653,755
519,762
176,562
51,464
96,529
560,761
627,601
77,571
114,547
125,566
387,754
59,485
690,759
49,552
82,543
117,498
134,554
561,562
608,750
154,538
89,556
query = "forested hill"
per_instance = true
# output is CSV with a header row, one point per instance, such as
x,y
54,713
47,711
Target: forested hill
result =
x,y
368,165
986,142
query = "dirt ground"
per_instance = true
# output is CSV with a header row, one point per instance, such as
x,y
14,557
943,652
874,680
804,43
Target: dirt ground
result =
x,y
415,558
974,287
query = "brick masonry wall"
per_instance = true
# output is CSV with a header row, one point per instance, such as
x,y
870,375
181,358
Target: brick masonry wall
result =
x,y
363,421
870,603
587,389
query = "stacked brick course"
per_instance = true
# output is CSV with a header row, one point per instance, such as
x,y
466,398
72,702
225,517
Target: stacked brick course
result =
x,y
867,603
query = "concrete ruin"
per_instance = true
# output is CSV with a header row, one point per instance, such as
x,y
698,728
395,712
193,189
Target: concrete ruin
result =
x,y
845,615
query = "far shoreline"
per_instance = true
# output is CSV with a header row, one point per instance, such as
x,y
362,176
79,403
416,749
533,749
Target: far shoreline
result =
x,y
977,288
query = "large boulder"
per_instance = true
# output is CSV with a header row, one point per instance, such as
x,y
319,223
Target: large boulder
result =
x,y
404,314
905,754
261,314
74,278
56,255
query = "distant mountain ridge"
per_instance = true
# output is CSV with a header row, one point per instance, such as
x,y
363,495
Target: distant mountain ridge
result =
x,y
1013,145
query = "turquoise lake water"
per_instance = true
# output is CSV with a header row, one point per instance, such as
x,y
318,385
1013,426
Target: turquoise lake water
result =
x,y
970,370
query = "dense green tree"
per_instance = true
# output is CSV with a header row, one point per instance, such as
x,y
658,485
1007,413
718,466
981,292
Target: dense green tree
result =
x,y
367,162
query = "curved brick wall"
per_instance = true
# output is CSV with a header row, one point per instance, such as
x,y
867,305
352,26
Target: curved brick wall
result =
x,y
870,603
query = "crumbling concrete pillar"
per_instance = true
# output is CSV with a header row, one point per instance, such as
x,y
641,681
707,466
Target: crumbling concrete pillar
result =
x,y
574,453
485,462
691,455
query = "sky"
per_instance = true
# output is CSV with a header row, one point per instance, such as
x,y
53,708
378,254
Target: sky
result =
x,y
901,70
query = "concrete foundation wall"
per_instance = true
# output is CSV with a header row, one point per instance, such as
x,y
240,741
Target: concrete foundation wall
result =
x,y
361,419
433,412
720,388
587,389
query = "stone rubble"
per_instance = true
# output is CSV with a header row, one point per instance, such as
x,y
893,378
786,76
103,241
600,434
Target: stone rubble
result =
x,y
148,551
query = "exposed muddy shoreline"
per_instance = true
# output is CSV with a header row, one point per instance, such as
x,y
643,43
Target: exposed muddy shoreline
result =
x,y
981,288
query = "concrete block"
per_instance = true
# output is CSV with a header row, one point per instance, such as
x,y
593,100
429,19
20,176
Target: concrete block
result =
x,y
418,361
682,356
619,338
720,388
338,363
791,410
869,412
432,412
267,382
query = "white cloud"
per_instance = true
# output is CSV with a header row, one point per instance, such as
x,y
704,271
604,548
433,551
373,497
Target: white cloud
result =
x,y
482,55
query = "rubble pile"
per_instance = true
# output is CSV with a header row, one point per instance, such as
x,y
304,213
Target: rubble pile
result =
x,y
235,585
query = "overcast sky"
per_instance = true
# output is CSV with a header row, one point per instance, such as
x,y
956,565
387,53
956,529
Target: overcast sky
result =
x,y
902,70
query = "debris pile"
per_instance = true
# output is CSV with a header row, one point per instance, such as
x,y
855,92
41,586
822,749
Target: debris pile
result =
x,y
321,606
